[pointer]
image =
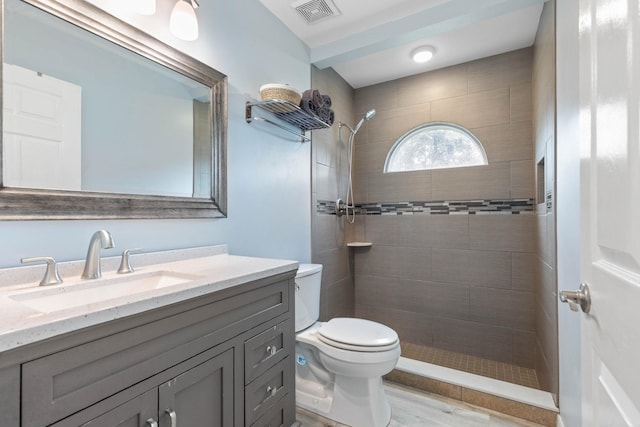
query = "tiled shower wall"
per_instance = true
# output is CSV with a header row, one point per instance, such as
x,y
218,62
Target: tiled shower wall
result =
x,y
544,136
329,175
460,282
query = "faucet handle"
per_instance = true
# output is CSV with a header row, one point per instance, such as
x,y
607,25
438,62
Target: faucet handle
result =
x,y
51,276
125,263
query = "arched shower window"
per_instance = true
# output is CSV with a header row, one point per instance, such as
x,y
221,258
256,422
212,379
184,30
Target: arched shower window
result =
x,y
436,145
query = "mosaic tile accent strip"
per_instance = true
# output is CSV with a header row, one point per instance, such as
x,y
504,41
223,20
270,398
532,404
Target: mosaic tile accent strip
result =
x,y
444,207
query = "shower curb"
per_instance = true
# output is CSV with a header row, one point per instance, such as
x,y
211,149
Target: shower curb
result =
x,y
511,399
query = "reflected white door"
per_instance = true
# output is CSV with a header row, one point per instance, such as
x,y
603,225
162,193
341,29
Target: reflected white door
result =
x,y
610,191
41,131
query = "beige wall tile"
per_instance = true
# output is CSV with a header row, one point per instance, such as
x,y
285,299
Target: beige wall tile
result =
x,y
383,96
448,231
475,268
440,84
512,141
410,326
522,179
521,102
543,242
475,110
524,276
513,233
376,291
413,231
503,307
389,125
501,70
524,348
335,265
327,234
326,182
442,299
370,157
491,342
397,261
399,187
480,182
381,229
340,299
360,188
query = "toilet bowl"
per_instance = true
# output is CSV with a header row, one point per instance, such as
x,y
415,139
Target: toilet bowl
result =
x,y
340,363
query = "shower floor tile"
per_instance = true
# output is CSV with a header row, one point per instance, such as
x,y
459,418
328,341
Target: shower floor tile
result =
x,y
489,368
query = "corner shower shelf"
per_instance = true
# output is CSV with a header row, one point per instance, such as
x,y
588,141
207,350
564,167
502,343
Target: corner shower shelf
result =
x,y
287,112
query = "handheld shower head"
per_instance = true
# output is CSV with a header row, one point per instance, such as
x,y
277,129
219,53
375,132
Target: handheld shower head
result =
x,y
368,116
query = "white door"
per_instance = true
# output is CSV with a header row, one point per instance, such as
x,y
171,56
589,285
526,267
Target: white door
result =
x,y
609,37
41,131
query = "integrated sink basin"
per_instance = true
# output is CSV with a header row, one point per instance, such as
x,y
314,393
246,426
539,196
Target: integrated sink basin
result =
x,y
100,290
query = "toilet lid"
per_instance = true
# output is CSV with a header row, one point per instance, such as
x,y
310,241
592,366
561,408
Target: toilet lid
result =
x,y
358,333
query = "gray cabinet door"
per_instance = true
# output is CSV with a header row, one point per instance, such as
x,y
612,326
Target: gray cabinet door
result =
x,y
202,396
134,413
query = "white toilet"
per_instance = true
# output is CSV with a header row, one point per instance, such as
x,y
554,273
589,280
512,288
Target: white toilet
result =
x,y
340,363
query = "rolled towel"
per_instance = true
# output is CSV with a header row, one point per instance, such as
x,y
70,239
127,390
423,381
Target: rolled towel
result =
x,y
324,114
331,119
326,101
308,106
314,96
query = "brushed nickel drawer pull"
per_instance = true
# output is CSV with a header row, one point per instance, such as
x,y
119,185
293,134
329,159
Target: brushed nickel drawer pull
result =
x,y
272,390
151,422
173,417
271,350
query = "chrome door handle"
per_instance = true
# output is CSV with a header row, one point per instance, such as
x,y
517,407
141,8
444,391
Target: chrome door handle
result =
x,y
172,416
151,422
581,298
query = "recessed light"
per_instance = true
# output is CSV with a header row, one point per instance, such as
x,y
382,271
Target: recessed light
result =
x,y
423,54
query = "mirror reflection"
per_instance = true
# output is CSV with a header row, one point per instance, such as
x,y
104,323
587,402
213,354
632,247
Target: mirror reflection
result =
x,y
84,114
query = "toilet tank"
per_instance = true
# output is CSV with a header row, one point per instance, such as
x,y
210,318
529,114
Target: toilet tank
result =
x,y
308,282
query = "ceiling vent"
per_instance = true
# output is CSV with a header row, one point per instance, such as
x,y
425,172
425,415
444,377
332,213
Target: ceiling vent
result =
x,y
315,10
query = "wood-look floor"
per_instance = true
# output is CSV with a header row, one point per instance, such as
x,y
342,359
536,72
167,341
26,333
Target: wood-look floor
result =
x,y
412,408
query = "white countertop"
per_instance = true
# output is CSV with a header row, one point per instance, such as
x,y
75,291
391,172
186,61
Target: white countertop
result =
x,y
217,270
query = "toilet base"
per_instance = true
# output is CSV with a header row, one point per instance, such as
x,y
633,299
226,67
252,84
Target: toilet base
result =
x,y
357,402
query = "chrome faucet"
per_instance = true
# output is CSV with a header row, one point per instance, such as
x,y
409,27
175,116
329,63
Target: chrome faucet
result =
x,y
100,239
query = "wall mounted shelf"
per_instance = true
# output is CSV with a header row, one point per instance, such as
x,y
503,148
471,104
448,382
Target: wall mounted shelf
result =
x,y
288,113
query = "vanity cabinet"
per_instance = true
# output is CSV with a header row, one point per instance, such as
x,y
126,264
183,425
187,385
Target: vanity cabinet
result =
x,y
222,359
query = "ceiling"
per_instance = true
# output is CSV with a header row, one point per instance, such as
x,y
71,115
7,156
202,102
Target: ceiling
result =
x,y
369,41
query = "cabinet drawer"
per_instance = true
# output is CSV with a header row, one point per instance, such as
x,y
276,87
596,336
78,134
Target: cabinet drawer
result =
x,y
283,414
55,386
265,391
266,349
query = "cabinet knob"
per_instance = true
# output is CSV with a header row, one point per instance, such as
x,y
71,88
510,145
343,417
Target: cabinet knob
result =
x,y
151,423
271,350
272,390
172,416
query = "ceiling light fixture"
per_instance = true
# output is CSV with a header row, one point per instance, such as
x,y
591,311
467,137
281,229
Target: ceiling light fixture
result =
x,y
183,22
423,54
145,7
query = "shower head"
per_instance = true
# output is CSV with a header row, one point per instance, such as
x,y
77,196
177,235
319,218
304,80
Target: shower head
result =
x,y
368,116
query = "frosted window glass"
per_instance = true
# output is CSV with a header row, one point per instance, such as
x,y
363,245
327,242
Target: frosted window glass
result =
x,y
435,146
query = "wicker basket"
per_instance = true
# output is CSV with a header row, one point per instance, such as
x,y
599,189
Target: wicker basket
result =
x,y
280,91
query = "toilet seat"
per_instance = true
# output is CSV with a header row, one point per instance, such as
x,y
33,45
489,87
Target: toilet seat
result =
x,y
357,335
